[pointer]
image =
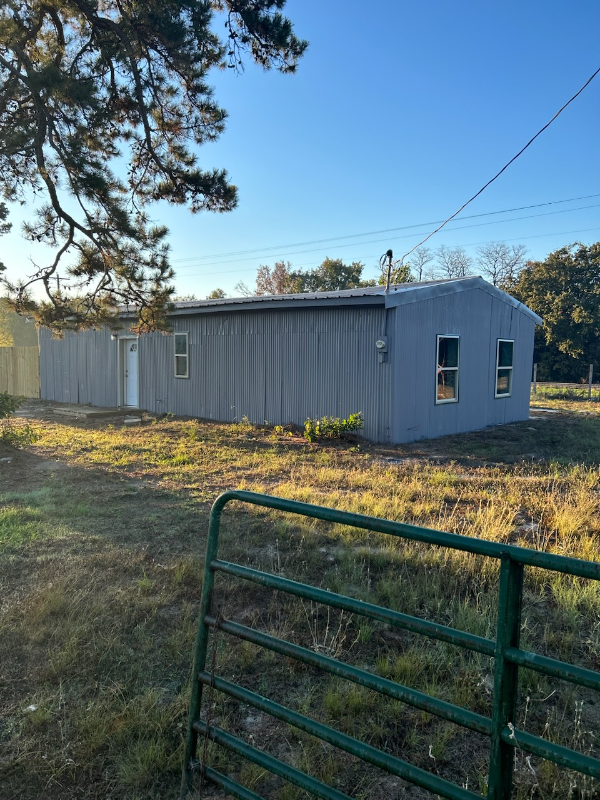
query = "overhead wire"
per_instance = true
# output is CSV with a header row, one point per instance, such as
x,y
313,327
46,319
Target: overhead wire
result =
x,y
375,233
505,167
395,238
440,226
376,255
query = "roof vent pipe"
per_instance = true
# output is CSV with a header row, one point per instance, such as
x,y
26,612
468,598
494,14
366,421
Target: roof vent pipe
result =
x,y
389,255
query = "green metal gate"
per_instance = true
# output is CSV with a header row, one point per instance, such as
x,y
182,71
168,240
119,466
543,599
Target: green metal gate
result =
x,y
508,657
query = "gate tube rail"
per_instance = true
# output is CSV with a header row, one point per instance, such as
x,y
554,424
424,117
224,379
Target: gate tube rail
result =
x,y
563,756
233,788
272,764
555,669
405,621
424,702
505,737
455,541
379,758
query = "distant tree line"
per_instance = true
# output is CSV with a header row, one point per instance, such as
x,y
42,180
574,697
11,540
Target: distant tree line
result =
x,y
332,275
564,290
498,262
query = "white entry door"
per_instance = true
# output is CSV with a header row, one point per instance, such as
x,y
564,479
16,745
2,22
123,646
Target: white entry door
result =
x,y
131,373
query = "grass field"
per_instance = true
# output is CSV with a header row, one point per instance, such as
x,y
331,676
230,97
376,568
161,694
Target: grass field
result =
x,y
570,397
102,533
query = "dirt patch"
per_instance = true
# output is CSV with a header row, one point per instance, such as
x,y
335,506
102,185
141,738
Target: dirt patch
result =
x,y
20,467
50,466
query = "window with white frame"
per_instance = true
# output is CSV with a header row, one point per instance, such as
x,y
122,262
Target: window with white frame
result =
x,y
182,356
504,367
447,369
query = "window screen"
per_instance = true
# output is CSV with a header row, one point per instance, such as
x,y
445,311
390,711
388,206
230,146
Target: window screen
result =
x,y
504,367
181,355
447,369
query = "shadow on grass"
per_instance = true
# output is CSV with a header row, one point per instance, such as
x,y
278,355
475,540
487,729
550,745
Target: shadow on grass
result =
x,y
562,438
100,580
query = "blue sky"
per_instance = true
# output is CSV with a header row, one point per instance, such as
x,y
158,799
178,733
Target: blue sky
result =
x,y
399,113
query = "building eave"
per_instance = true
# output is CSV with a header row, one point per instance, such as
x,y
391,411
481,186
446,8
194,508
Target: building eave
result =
x,y
399,294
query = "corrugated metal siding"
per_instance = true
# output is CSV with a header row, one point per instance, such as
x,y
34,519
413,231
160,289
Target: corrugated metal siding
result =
x,y
274,367
80,368
284,365
479,319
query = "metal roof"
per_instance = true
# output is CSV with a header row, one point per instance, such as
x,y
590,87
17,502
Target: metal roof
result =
x,y
365,291
399,294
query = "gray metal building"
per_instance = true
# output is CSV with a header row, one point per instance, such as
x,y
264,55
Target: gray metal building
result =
x,y
424,360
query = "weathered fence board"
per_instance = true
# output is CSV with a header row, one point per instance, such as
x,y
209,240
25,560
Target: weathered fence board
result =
x,y
20,371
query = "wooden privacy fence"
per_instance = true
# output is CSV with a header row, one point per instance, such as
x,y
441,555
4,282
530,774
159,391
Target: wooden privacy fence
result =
x,y
20,371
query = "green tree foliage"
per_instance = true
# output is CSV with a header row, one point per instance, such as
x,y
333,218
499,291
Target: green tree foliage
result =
x,y
184,298
331,276
4,225
216,294
565,291
4,228
89,85
400,274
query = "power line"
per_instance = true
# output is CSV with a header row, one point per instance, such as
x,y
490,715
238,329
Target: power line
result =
x,y
374,233
497,175
376,255
403,236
